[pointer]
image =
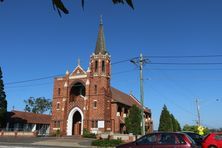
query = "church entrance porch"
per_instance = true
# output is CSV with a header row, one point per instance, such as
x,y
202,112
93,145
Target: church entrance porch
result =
x,y
75,122
76,129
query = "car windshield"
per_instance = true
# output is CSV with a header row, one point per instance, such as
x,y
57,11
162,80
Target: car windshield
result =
x,y
191,140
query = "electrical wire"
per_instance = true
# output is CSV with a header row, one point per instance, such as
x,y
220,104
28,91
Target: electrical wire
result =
x,y
177,63
31,80
183,56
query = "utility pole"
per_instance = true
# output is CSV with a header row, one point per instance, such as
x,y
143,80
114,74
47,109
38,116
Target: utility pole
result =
x,y
198,112
140,61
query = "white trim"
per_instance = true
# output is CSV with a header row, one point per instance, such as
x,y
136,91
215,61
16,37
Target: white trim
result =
x,y
70,121
59,79
80,69
78,77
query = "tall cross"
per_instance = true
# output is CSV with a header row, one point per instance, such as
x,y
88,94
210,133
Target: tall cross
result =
x,y
101,19
78,61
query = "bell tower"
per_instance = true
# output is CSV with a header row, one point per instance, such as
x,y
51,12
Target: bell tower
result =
x,y
100,92
100,59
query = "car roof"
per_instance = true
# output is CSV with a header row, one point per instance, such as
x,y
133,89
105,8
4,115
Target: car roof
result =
x,y
167,132
188,132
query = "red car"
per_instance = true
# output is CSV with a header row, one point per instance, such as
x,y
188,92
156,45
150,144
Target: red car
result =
x,y
212,140
162,140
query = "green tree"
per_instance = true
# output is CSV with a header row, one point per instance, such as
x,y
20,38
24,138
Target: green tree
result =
x,y
176,125
133,121
194,128
38,105
3,103
165,123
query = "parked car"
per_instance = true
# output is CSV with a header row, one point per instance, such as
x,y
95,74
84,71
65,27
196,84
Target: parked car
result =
x,y
213,140
162,140
196,137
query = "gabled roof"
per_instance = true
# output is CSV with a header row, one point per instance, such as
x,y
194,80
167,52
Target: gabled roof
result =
x,y
129,100
78,71
28,117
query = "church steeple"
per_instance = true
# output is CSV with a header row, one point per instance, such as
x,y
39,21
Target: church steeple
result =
x,y
100,44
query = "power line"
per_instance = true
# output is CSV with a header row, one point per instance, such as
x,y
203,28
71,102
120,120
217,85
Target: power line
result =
x,y
189,69
126,71
177,63
31,80
183,56
33,85
122,61
128,60
181,107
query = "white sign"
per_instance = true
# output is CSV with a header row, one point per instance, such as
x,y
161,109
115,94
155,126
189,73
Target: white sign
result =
x,y
100,124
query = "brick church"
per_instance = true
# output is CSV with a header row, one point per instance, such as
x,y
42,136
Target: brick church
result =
x,y
84,99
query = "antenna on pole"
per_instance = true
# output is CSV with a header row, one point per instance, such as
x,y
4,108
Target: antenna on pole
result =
x,y
198,112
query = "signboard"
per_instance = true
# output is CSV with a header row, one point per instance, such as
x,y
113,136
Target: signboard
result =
x,y
100,124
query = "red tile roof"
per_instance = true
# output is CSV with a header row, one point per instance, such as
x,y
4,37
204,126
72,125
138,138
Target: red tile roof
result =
x,y
129,100
28,117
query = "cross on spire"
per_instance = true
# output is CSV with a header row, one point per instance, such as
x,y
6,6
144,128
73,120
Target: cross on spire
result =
x,y
78,61
101,20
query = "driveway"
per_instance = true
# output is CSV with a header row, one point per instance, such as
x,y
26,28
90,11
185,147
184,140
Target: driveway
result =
x,y
44,142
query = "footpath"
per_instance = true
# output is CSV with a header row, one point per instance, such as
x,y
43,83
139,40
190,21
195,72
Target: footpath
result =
x,y
45,142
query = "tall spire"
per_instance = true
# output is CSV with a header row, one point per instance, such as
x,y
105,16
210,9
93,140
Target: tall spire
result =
x,y
100,44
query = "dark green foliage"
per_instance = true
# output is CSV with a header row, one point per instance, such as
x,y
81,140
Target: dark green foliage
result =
x,y
176,125
192,128
87,134
3,103
59,6
133,121
106,142
58,133
38,105
129,2
165,123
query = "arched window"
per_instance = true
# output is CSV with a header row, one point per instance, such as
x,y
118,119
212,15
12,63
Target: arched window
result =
x,y
95,104
59,91
96,66
58,105
103,66
95,89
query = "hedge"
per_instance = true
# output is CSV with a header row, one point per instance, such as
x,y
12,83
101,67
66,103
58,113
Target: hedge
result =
x,y
106,142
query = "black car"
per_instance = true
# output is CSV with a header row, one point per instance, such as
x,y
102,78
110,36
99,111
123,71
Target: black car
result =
x,y
196,137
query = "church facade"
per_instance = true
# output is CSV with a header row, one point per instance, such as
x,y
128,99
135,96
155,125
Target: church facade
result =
x,y
86,100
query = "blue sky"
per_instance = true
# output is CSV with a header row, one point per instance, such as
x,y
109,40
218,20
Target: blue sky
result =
x,y
35,42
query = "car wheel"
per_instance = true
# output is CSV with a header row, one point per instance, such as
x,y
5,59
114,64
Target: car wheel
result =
x,y
212,146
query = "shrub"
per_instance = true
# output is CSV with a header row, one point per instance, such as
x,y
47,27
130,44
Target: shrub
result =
x,y
87,134
57,133
106,142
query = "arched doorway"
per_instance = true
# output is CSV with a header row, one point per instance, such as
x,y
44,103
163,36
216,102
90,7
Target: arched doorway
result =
x,y
75,122
76,127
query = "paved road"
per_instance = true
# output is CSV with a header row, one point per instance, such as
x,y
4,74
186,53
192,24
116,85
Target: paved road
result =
x,y
44,142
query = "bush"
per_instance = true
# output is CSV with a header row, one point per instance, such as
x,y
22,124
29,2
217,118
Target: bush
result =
x,y
54,133
57,133
106,142
87,134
